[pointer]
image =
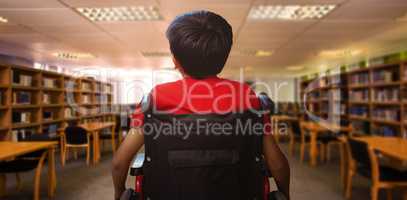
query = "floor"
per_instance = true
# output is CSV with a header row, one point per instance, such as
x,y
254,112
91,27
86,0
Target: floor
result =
x,y
79,182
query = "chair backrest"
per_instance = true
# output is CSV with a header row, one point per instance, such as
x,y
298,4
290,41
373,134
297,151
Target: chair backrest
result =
x,y
199,157
76,135
360,152
295,127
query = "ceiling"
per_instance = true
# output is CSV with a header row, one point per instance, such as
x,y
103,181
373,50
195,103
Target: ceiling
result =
x,y
39,28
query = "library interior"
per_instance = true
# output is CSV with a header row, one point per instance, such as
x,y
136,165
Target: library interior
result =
x,y
145,99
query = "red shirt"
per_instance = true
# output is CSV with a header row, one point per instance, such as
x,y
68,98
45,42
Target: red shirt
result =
x,y
201,96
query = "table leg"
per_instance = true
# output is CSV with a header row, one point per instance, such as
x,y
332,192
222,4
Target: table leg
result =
x,y
95,140
97,146
343,161
113,139
277,134
313,151
51,172
62,149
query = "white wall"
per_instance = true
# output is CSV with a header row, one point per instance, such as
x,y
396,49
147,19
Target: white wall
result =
x,y
279,89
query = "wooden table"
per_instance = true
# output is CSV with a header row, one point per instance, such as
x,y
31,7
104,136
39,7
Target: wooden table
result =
x,y
315,129
395,148
275,120
95,128
10,150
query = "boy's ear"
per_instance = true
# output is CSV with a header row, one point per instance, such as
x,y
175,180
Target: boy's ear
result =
x,y
177,65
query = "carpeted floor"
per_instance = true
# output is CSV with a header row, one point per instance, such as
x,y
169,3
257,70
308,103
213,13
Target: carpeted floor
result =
x,y
76,181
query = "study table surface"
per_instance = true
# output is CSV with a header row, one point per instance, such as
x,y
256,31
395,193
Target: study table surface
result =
x,y
10,150
393,147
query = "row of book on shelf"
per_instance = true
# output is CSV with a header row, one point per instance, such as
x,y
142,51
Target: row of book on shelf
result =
x,y
25,98
381,76
22,79
385,76
23,134
378,95
363,127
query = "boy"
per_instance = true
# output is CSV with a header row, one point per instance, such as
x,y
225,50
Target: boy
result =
x,y
200,43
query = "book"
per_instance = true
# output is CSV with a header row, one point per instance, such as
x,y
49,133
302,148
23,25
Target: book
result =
x,y
21,79
21,117
46,98
385,76
108,89
21,97
86,99
386,95
388,114
86,87
49,82
359,79
385,131
359,95
68,113
51,130
70,85
22,134
361,111
47,115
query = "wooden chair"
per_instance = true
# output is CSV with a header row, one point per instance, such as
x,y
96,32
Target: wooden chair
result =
x,y
76,137
113,134
25,163
108,135
299,134
363,160
295,135
334,142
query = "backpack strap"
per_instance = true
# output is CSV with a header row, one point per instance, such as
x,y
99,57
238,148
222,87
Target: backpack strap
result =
x,y
266,103
146,103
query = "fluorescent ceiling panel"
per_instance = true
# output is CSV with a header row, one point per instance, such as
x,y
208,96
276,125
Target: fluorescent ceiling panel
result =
x,y
290,12
113,14
73,56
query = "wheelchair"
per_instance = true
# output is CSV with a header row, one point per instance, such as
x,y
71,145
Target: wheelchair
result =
x,y
203,165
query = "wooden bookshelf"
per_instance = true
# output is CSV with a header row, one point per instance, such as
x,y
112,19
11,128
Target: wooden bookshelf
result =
x,y
326,98
33,100
376,98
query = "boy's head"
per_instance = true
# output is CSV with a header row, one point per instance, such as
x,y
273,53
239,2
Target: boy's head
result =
x,y
200,42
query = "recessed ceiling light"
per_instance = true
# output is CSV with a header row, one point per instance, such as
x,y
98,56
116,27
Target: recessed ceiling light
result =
x,y
295,68
156,54
73,56
340,53
3,20
111,14
290,12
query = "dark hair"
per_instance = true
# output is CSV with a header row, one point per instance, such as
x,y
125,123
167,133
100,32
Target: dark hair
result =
x,y
201,42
